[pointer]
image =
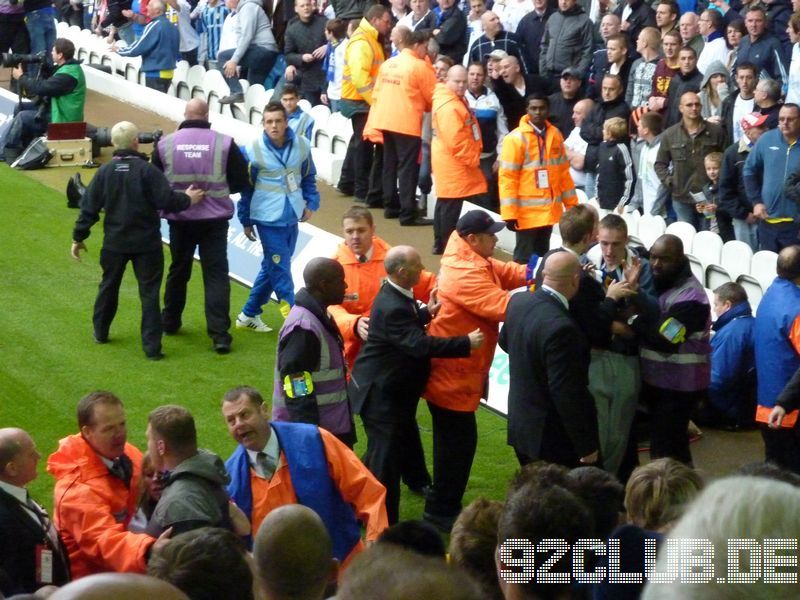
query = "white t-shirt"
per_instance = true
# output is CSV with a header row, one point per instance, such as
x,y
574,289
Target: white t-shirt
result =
x,y
576,143
740,108
228,38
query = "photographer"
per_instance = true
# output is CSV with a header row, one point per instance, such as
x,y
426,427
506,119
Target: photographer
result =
x,y
61,98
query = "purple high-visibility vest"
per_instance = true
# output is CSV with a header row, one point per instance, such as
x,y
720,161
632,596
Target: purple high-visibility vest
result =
x,y
330,383
198,156
687,369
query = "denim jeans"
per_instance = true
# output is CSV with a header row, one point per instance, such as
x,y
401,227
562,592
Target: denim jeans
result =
x,y
688,214
42,30
257,61
746,232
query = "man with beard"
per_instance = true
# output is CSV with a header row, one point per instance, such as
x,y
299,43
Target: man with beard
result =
x,y
675,349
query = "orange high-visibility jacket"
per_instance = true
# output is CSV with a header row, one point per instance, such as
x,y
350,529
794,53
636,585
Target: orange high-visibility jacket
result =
x,y
92,509
403,93
474,294
456,147
524,154
363,56
355,483
365,279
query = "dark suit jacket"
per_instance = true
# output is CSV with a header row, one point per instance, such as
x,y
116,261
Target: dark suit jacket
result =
x,y
19,536
551,413
393,366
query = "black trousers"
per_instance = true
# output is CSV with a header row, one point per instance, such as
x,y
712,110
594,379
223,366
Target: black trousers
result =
x,y
361,170
149,269
14,34
158,83
455,438
670,411
401,161
782,447
394,453
530,241
445,217
211,237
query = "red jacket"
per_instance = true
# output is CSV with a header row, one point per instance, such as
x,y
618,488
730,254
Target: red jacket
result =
x,y
92,509
365,279
474,294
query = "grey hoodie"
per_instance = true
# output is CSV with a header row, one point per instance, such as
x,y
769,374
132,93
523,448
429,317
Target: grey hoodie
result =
x,y
708,109
253,28
194,496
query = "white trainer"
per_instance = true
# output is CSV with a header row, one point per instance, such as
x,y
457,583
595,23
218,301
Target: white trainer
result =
x,y
252,323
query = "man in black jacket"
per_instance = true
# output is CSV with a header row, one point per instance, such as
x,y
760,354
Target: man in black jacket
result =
x,y
131,191
551,414
305,47
688,78
740,102
30,542
451,31
393,367
641,15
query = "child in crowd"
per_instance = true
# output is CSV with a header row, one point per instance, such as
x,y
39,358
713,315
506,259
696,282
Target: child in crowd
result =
x,y
336,34
615,175
707,201
301,122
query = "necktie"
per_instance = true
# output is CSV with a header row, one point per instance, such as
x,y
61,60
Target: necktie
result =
x,y
122,468
266,464
362,258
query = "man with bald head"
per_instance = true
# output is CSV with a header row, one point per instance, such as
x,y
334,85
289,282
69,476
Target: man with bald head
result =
x,y
120,586
674,351
551,414
514,86
212,162
496,38
310,372
293,555
455,155
393,367
28,534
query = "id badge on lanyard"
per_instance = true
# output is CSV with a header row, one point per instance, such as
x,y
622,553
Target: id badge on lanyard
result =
x,y
44,564
291,182
542,179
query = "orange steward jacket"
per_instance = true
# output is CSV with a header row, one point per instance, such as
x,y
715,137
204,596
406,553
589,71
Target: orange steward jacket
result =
x,y
456,147
92,509
474,294
355,483
526,161
403,93
363,57
365,279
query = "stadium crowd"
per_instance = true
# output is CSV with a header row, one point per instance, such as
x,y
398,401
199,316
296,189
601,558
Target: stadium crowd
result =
x,y
657,109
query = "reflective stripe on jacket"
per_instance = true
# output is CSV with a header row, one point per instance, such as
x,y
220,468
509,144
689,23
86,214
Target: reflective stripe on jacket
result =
x,y
330,383
521,198
198,156
363,56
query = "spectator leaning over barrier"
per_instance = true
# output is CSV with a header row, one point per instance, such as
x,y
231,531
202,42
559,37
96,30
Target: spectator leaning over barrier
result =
x,y
159,47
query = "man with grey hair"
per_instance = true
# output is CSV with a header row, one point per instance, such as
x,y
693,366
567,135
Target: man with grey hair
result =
x,y
131,191
28,534
768,101
393,367
294,554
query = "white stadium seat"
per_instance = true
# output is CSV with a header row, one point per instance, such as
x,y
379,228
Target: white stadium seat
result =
x,y
753,289
685,231
763,267
735,258
707,248
651,227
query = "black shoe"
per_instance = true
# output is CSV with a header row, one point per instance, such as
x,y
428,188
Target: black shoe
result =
x,y
233,99
376,205
391,213
346,191
222,348
416,222
358,200
437,251
442,523
156,356
100,339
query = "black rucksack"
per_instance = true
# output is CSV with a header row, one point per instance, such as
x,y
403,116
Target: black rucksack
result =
x,y
35,156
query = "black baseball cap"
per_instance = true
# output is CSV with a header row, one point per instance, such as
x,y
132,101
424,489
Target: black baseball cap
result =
x,y
478,221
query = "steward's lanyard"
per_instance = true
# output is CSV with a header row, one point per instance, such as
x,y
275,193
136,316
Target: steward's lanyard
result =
x,y
286,151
